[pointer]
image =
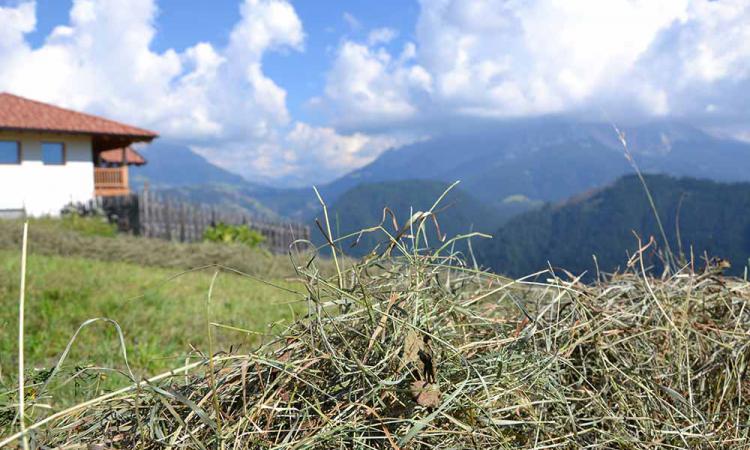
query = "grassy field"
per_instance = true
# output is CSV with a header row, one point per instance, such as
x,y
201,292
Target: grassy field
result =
x,y
162,318
157,291
88,238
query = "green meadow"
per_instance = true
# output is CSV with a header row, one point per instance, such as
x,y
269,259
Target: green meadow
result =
x,y
164,313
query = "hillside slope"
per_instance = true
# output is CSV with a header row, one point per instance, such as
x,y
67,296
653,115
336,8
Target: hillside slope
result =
x,y
711,217
362,207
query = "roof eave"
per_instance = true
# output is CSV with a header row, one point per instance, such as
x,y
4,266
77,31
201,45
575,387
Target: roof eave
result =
x,y
134,137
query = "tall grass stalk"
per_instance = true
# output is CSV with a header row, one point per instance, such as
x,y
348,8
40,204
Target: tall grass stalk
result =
x,y
669,256
330,237
214,399
21,306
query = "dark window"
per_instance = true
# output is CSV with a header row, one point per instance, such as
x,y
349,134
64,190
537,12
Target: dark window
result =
x,y
53,153
10,152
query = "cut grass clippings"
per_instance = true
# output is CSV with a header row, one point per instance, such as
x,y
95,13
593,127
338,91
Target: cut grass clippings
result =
x,y
421,351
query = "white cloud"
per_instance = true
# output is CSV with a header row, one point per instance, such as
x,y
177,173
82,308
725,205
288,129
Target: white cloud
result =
x,y
218,100
16,22
341,152
368,85
353,23
495,58
307,154
381,36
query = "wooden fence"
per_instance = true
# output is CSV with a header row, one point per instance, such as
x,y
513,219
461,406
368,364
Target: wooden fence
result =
x,y
149,215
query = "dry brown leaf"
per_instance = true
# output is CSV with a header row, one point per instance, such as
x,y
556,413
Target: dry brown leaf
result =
x,y
412,346
425,394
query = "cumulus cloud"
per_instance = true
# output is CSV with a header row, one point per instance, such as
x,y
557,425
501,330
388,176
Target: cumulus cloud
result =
x,y
368,85
495,58
218,100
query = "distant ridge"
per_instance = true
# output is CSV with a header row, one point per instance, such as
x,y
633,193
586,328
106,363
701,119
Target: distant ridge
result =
x,y
550,159
712,218
173,165
363,207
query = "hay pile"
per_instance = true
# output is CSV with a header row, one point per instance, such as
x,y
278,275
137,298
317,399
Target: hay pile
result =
x,y
424,352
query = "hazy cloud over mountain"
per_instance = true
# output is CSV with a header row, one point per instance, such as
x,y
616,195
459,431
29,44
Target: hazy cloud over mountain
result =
x,y
685,58
383,86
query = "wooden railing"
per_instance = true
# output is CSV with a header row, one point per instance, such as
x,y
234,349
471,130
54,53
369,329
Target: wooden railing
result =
x,y
109,181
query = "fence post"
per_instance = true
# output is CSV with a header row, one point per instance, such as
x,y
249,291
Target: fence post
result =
x,y
167,220
143,209
148,215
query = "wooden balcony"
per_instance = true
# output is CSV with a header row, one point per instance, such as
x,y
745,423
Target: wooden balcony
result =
x,y
111,181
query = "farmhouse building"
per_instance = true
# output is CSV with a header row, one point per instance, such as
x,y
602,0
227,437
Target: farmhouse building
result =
x,y
51,156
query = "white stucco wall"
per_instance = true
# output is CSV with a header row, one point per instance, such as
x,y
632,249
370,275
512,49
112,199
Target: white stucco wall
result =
x,y
44,189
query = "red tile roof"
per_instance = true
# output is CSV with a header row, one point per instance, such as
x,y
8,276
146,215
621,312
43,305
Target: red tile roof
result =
x,y
18,113
114,156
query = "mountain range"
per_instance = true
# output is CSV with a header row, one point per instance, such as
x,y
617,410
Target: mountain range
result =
x,y
505,168
551,159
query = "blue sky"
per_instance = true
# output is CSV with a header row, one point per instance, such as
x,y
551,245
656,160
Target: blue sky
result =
x,y
181,23
292,93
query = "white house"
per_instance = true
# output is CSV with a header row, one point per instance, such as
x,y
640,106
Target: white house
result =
x,y
50,156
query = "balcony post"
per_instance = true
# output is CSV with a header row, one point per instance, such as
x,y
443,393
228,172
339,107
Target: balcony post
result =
x,y
124,178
